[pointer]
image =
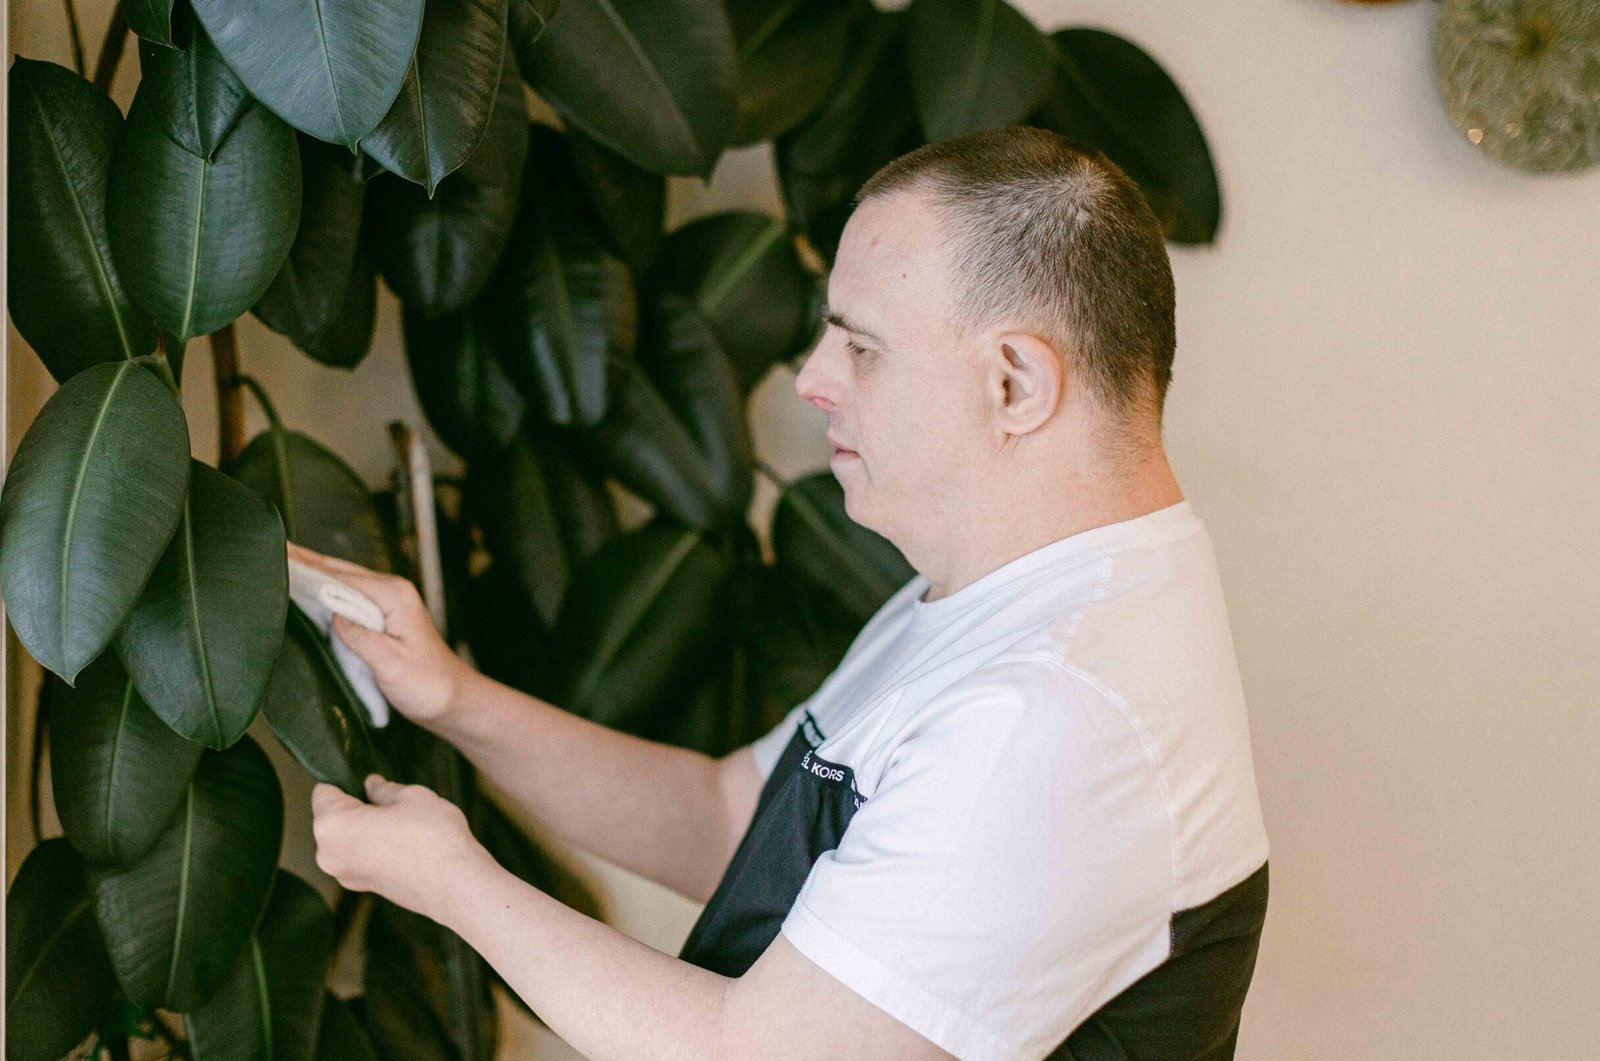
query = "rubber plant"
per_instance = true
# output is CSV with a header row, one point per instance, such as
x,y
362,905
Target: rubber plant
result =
x,y
282,158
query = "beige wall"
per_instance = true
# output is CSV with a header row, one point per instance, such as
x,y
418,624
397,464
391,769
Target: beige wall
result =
x,y
1384,409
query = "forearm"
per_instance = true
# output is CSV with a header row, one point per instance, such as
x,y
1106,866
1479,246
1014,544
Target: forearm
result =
x,y
651,808
605,993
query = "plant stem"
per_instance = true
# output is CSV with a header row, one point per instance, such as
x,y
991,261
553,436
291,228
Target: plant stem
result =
x,y
261,396
111,51
230,398
40,720
76,35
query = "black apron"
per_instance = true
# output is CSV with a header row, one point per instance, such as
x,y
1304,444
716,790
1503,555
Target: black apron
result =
x,y
1186,1009
804,809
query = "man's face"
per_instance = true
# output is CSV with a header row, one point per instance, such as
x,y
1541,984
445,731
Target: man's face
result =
x,y
897,391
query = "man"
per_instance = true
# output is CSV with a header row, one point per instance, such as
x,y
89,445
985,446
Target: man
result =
x,y
1020,819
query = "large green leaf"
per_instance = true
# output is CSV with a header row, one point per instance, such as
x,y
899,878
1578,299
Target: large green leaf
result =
x,y
646,447
201,641
790,55
643,615
427,992
831,556
561,301
745,278
65,295
324,296
629,201
150,19
795,640
682,355
324,504
866,121
270,1002
58,978
665,100
196,97
119,773
340,1037
976,64
175,920
509,642
315,714
437,253
508,494
93,496
443,107
331,68
197,241
468,398
583,505
526,20
1112,96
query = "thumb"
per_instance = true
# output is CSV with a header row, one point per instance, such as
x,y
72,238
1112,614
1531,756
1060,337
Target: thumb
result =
x,y
382,791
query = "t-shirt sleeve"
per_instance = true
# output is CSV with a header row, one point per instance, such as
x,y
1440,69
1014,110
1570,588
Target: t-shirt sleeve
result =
x,y
1011,871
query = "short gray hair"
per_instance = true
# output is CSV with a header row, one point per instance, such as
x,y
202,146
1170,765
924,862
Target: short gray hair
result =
x,y
1051,235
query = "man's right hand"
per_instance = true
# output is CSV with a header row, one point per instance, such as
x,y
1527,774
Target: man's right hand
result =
x,y
416,671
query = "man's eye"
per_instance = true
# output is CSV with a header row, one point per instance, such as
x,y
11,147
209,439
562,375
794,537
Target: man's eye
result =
x,y
849,344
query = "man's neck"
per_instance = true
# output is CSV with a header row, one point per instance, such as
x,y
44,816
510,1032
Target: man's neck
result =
x,y
979,543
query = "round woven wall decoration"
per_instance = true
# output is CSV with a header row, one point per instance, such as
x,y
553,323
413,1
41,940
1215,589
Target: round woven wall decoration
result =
x,y
1521,78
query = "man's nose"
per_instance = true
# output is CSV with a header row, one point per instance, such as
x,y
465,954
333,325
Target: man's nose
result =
x,y
815,382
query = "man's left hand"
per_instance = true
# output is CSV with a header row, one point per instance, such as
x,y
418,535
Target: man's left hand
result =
x,y
409,844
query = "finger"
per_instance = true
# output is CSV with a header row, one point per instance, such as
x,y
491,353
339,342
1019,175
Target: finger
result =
x,y
391,593
378,650
381,790
326,797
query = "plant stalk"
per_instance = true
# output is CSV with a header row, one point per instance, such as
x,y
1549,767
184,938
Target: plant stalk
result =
x,y
76,35
230,398
105,70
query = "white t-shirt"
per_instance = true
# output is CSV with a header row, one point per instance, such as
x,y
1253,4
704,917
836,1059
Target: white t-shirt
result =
x,y
1049,764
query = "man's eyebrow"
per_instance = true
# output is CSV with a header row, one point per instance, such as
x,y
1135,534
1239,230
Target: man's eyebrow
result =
x,y
839,320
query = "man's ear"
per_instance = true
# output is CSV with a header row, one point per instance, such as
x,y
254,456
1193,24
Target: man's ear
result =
x,y
1024,381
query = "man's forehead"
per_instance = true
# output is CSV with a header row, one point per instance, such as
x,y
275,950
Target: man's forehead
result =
x,y
888,268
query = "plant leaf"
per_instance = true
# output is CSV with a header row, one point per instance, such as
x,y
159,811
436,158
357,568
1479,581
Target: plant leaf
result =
x,y
831,556
315,714
340,1037
468,398
324,504
175,920
438,253
561,301
197,97
66,296
666,99
330,68
201,641
630,202
643,615
118,773
790,56
508,494
745,278
684,359
270,1002
868,120
1110,95
450,88
150,19
976,64
58,978
198,242
324,295
92,498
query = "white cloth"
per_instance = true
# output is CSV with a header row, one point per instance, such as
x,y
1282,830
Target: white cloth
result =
x,y
1054,759
320,595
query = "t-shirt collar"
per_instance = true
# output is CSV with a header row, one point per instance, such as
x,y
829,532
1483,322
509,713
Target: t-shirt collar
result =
x,y
1172,521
